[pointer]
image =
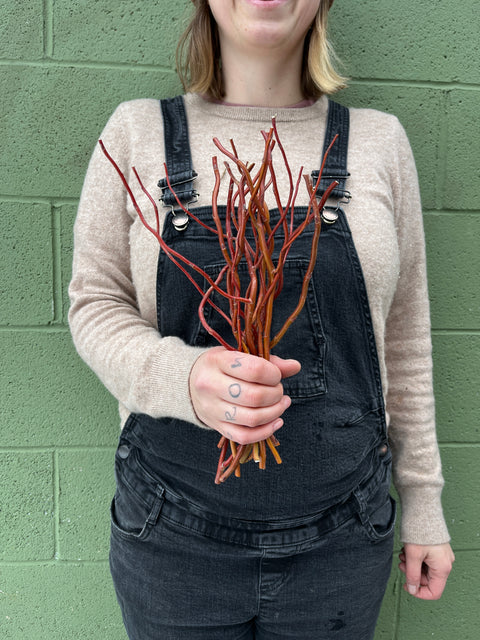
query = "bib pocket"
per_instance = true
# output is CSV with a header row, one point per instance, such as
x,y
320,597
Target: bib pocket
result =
x,y
304,339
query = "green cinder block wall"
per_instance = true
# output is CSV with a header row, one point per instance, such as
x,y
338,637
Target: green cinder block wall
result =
x,y
64,66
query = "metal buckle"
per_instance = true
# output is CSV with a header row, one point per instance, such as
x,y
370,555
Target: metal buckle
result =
x,y
348,196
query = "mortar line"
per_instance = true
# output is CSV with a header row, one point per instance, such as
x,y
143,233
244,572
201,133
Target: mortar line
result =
x,y
56,507
63,328
85,64
411,82
100,561
57,279
456,332
47,28
60,449
450,212
56,201
52,563
459,445
470,444
130,66
51,328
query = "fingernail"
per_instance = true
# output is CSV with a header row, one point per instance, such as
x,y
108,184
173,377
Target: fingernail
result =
x,y
277,424
412,589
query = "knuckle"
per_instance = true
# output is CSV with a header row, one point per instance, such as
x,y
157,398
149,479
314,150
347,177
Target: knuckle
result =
x,y
202,381
264,370
260,396
251,419
254,397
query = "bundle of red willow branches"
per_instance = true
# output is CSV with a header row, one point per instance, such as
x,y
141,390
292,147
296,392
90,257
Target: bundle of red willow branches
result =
x,y
250,310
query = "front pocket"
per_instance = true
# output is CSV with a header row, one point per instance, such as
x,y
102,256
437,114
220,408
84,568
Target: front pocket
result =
x,y
304,340
134,513
380,524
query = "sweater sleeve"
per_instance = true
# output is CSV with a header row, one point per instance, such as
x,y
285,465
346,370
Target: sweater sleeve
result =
x,y
416,460
146,372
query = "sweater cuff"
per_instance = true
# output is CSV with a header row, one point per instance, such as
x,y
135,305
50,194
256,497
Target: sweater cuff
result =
x,y
423,521
163,389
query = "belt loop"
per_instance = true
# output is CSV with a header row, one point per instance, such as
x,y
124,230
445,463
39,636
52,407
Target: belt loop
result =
x,y
153,517
361,505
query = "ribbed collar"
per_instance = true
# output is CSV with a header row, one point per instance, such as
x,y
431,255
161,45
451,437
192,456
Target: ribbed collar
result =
x,y
258,114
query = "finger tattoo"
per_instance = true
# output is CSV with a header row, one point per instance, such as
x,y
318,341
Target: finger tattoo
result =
x,y
235,390
237,362
230,415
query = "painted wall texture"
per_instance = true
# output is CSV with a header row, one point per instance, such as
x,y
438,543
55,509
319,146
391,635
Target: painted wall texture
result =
x,y
64,66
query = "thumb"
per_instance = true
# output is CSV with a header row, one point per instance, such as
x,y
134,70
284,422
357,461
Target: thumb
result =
x,y
414,557
288,367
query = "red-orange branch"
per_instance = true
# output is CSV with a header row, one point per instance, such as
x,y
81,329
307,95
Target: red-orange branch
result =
x,y
250,310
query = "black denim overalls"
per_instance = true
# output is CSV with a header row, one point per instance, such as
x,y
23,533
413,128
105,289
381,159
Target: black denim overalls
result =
x,y
336,461
336,424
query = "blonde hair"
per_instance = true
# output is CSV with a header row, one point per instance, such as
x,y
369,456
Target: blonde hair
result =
x,y
199,59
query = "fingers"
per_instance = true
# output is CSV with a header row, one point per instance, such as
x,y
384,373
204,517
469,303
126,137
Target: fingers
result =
x,y
248,367
238,394
287,367
249,423
426,569
245,366
247,394
248,435
243,380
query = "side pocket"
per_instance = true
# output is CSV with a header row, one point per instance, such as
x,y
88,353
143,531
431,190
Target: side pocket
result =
x,y
379,525
135,508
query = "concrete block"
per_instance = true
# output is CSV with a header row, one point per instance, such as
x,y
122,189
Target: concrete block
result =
x,y
87,486
26,505
431,41
48,135
462,175
461,469
420,111
49,397
126,31
21,30
456,369
26,285
455,615
453,259
56,601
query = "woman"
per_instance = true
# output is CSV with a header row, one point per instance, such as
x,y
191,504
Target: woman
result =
x,y
301,550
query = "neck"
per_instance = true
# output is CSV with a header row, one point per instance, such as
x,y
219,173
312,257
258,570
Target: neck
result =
x,y
264,82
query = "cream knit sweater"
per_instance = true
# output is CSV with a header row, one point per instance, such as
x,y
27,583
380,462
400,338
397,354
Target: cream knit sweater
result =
x,y
113,306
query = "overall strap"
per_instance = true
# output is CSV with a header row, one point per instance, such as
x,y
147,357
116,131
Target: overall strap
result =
x,y
177,154
336,165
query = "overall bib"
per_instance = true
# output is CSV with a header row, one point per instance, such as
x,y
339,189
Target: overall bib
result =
x,y
299,550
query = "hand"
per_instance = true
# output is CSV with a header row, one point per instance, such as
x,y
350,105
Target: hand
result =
x,y
240,395
426,568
